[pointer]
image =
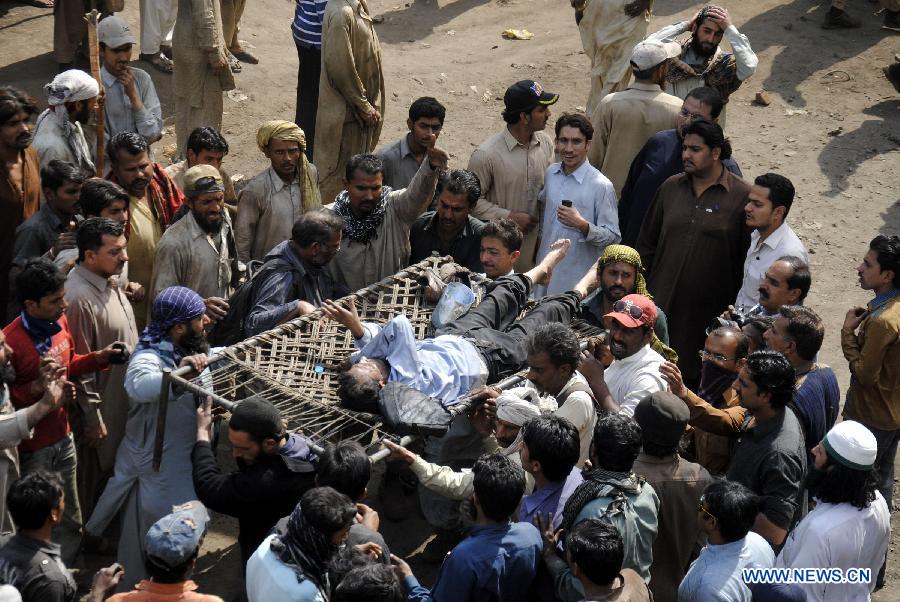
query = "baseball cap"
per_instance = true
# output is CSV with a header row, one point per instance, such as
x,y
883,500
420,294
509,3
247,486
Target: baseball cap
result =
x,y
201,179
662,418
526,95
632,311
650,53
114,32
174,538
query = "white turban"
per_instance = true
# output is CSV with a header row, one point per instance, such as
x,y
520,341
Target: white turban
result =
x,y
518,405
71,86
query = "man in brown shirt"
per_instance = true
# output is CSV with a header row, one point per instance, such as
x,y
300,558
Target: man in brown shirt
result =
x,y
694,233
99,315
678,483
20,178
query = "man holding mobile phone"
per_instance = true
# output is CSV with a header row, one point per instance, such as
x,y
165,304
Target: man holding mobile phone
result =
x,y
579,203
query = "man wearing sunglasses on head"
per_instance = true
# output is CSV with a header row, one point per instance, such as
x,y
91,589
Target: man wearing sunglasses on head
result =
x,y
634,373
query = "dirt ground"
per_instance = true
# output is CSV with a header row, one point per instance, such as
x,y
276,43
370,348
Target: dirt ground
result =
x,y
833,127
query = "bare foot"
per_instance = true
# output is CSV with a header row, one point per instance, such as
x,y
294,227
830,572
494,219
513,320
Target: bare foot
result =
x,y
589,281
540,274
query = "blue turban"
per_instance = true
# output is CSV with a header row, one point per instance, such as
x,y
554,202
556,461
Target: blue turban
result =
x,y
172,306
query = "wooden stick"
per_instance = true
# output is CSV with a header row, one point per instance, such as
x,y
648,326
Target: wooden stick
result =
x,y
161,415
92,18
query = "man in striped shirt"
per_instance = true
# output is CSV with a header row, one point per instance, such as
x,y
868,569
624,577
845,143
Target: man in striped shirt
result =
x,y
307,31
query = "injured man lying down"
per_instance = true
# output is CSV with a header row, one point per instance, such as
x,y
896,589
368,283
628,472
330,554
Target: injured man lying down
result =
x,y
484,345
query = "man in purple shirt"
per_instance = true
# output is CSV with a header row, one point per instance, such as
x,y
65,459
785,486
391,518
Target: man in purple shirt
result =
x,y
550,450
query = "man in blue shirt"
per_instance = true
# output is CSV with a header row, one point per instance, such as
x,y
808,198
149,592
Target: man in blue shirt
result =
x,y
307,31
661,158
498,559
549,453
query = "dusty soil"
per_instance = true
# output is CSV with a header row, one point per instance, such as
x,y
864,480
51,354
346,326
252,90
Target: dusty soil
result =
x,y
833,127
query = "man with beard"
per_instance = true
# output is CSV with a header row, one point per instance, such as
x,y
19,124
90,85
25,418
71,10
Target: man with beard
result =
x,y
292,281
724,354
770,454
451,230
274,199
41,331
51,230
377,219
131,103
678,251
197,251
206,146
57,133
661,158
850,527
17,425
99,314
20,177
154,201
634,372
702,62
621,273
769,202
274,469
294,565
173,338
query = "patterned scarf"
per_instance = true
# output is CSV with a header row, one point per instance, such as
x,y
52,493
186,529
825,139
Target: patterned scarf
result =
x,y
40,331
365,229
306,550
164,196
718,71
626,254
599,483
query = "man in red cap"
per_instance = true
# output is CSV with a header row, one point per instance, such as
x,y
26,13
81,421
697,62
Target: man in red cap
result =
x,y
634,373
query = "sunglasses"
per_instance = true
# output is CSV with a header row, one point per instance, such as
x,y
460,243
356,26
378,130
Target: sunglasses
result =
x,y
623,306
706,355
702,509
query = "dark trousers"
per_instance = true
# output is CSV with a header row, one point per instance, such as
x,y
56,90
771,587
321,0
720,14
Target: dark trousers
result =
x,y
309,68
492,325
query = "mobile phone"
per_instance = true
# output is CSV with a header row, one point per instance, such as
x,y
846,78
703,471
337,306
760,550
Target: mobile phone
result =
x,y
566,203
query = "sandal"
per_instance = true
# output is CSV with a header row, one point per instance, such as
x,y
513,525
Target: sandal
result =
x,y
245,55
39,3
159,61
234,63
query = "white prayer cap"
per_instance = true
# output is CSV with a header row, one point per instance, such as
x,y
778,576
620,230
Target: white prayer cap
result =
x,y
851,444
650,53
71,86
518,405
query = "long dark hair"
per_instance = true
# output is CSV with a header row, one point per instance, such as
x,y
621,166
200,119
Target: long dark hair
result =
x,y
839,484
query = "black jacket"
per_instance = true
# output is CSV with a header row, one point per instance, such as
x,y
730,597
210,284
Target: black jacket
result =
x,y
258,495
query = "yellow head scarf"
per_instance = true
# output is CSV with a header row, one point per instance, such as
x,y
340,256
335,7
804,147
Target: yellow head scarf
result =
x,y
624,253
278,129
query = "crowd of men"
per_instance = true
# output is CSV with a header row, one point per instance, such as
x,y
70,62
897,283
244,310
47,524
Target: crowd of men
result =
x,y
698,438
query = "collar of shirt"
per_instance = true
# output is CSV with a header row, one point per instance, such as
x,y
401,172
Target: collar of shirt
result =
x,y
884,298
724,180
166,589
648,459
579,174
645,87
277,183
772,240
761,430
109,80
96,280
296,261
54,218
404,146
732,547
512,143
532,502
638,357
481,530
196,231
467,229
29,543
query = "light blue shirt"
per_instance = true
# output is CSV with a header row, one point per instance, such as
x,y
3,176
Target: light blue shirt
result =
x,y
444,367
268,578
120,117
716,574
593,195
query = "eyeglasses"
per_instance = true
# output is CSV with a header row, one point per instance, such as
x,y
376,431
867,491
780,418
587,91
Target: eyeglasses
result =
x,y
705,511
706,355
627,306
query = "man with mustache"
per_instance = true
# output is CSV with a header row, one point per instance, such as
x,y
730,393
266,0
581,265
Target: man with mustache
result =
x,y
71,97
769,202
154,201
451,230
786,282
173,338
197,251
702,62
274,199
131,103
20,177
